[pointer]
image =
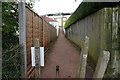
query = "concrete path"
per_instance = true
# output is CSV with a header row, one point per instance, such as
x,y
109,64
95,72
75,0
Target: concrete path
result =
x,y
64,55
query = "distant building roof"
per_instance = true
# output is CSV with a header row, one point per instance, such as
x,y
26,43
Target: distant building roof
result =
x,y
49,19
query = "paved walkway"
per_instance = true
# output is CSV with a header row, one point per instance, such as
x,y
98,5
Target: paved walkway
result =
x,y
64,55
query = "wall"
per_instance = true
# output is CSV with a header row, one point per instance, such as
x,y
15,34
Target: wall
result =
x,y
34,29
102,29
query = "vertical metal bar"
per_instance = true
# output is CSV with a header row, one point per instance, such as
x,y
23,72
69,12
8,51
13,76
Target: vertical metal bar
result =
x,y
0,40
22,37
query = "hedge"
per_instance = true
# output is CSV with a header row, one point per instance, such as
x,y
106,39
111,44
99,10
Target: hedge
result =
x,y
87,8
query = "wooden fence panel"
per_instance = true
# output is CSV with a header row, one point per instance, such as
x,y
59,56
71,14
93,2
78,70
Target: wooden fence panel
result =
x,y
34,29
41,31
29,39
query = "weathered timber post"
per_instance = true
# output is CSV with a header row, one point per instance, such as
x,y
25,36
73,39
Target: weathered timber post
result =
x,y
22,38
101,65
118,40
114,42
37,58
78,73
0,40
83,59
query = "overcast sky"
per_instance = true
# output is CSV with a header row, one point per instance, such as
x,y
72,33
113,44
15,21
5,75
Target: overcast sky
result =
x,y
56,6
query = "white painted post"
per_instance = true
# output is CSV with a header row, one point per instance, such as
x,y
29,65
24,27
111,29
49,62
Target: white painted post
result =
x,y
33,55
22,37
42,56
101,65
37,58
83,57
57,30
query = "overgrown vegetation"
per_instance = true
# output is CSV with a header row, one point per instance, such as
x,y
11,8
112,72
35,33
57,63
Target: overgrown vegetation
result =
x,y
85,9
10,53
11,57
11,62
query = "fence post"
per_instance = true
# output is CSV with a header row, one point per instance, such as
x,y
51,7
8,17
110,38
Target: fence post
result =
x,y
83,59
101,65
0,40
22,38
118,40
37,58
43,29
114,52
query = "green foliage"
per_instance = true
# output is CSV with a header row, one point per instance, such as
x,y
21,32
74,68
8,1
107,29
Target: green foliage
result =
x,y
85,9
9,40
9,17
30,4
11,63
11,57
57,14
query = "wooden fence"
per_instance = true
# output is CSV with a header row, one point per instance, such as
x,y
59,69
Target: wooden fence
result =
x,y
34,29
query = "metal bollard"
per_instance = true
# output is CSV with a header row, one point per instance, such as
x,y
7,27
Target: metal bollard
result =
x,y
57,71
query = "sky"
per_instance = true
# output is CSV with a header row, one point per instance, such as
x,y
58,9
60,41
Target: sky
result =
x,y
43,7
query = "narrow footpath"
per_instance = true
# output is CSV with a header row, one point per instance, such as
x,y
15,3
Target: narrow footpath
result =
x,y
63,54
